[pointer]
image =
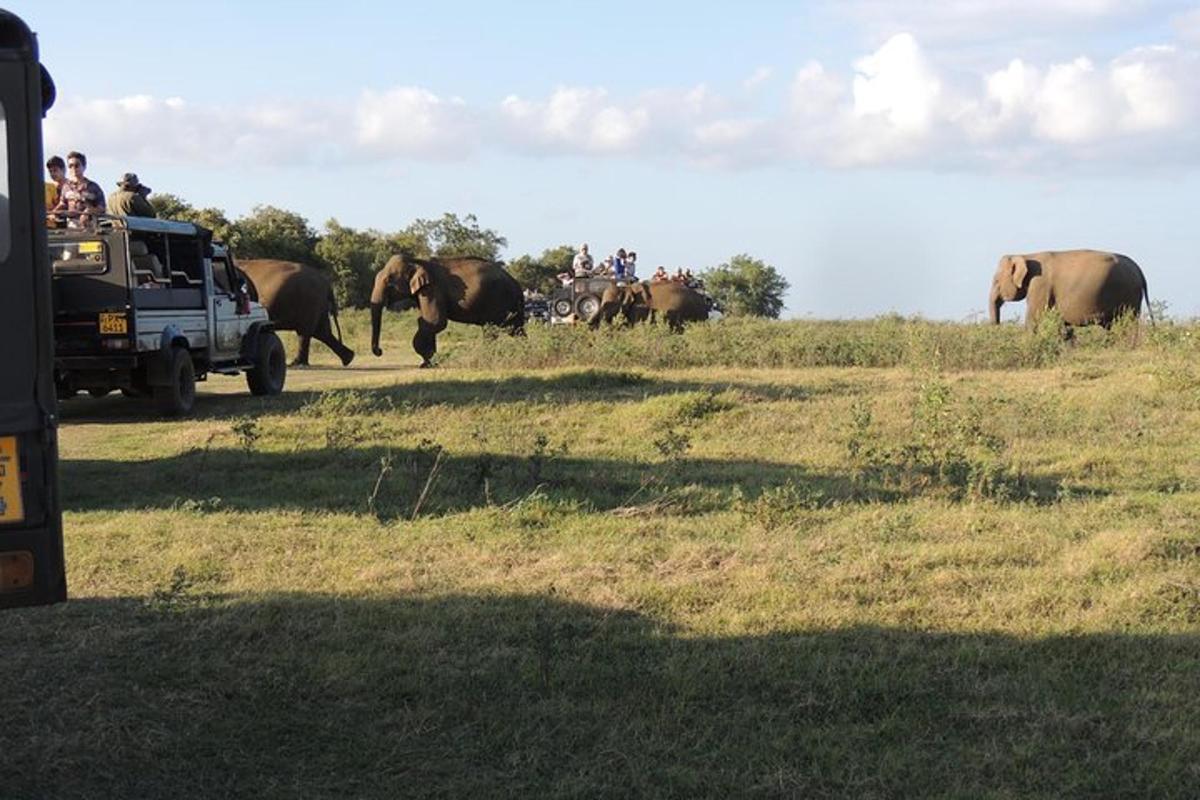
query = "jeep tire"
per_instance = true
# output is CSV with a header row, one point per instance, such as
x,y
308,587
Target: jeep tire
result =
x,y
587,306
269,372
178,396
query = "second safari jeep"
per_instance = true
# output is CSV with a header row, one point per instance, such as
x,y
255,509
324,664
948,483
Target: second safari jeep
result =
x,y
149,307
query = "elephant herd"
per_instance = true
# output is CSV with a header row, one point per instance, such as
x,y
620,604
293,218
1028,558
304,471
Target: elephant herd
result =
x,y
1085,286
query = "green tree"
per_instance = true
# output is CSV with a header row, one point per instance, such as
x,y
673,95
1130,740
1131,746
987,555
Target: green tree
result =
x,y
171,206
409,243
174,207
746,286
451,236
541,273
270,232
352,257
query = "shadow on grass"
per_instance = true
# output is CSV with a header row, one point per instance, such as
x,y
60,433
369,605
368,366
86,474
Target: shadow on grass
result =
x,y
578,386
332,480
341,480
194,696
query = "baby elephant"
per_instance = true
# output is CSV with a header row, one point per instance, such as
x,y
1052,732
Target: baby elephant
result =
x,y
1088,287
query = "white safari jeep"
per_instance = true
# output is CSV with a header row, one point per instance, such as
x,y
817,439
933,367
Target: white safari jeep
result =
x,y
149,307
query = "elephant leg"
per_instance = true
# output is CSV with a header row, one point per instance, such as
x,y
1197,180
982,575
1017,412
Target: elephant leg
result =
x,y
324,335
425,341
301,359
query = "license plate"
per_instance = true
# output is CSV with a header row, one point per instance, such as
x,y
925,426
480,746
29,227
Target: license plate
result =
x,y
11,509
113,323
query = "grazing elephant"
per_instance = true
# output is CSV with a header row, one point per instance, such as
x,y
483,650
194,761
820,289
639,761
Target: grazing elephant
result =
x,y
640,301
470,290
297,298
1088,287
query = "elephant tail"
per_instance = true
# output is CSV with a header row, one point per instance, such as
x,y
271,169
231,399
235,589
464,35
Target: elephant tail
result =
x,y
333,308
1146,295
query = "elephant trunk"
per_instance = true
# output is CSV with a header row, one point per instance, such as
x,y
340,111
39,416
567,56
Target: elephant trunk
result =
x,y
378,298
376,324
994,303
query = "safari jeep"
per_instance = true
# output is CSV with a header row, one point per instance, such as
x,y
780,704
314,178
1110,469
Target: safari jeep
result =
x,y
579,300
148,307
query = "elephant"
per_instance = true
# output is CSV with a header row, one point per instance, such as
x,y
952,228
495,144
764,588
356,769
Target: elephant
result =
x,y
641,301
1087,287
471,290
297,298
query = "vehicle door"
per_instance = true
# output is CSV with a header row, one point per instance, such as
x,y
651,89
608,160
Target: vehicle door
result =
x,y
229,310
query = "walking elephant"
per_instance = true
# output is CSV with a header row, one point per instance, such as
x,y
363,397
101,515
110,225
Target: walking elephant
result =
x,y
474,291
1087,287
641,301
297,298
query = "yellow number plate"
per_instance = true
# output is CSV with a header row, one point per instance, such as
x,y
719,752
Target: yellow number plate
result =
x,y
113,323
11,509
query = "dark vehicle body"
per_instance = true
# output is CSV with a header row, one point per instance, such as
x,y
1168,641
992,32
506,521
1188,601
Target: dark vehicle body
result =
x,y
32,570
537,309
148,307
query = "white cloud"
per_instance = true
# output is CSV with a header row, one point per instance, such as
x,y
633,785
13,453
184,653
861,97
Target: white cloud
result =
x,y
399,122
1073,105
896,82
758,78
574,119
410,121
896,105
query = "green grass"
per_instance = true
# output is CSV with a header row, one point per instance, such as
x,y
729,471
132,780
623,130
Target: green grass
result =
x,y
886,568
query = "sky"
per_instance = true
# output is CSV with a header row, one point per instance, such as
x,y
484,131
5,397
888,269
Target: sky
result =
x,y
881,154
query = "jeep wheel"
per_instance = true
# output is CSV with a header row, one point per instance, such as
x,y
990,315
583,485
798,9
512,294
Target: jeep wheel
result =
x,y
177,398
270,366
587,306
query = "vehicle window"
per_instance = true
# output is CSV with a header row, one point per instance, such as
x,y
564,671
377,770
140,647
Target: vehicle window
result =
x,y
148,257
187,262
5,222
221,275
79,258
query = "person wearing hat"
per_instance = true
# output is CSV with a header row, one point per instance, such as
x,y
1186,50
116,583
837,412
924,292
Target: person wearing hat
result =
x,y
130,198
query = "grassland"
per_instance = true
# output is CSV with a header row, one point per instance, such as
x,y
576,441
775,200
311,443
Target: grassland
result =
x,y
875,559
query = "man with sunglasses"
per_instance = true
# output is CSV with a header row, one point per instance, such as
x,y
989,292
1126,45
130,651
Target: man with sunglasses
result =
x,y
81,199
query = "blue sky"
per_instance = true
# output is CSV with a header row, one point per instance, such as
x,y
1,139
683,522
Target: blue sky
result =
x,y
881,153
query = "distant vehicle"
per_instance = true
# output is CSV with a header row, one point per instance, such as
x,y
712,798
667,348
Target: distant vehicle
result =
x,y
32,570
537,309
148,307
579,300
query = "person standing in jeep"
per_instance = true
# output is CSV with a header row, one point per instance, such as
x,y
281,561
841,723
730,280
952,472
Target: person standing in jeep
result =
x,y
81,199
130,198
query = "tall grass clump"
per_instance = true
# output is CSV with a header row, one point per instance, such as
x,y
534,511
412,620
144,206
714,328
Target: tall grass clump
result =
x,y
887,341
752,343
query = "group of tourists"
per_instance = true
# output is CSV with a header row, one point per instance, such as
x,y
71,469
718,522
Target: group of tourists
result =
x,y
622,266
75,201
681,275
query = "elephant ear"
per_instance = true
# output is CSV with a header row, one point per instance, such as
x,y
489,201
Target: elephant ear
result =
x,y
419,280
1020,270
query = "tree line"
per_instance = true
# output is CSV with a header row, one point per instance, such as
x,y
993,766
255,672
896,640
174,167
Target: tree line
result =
x,y
743,285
